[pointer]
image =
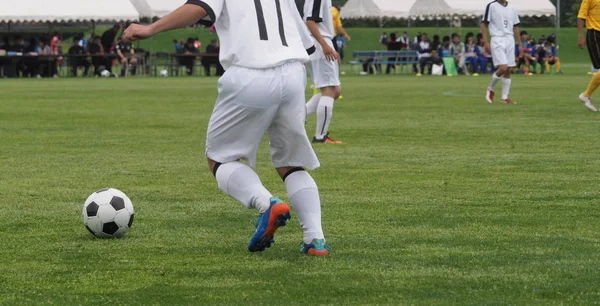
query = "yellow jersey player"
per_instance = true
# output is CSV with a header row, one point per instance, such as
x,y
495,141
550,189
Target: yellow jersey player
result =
x,y
589,17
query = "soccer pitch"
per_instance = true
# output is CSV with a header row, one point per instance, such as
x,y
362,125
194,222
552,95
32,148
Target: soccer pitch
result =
x,y
435,197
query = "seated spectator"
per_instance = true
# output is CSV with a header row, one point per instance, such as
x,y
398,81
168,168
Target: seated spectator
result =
x,y
78,58
471,56
424,49
404,41
97,53
82,41
188,58
126,55
457,51
47,63
484,57
435,44
208,61
383,39
177,46
542,40
197,43
550,51
444,49
524,60
393,45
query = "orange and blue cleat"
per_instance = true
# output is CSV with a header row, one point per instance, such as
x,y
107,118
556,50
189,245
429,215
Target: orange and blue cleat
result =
x,y
317,247
267,223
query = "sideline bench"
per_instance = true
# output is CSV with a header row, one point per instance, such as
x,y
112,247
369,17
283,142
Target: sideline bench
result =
x,y
377,58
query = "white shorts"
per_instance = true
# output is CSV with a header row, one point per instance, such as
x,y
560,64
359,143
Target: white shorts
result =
x,y
503,51
324,72
253,102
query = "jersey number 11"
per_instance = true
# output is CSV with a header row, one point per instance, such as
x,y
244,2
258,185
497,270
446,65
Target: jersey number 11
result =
x,y
262,26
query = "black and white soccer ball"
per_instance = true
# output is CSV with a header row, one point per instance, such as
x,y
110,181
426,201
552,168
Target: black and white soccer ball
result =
x,y
108,213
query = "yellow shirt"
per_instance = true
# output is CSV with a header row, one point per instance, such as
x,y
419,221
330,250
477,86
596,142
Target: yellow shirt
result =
x,y
337,22
590,11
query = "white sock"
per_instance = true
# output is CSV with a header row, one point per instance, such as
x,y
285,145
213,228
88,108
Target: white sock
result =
x,y
505,88
495,80
324,114
311,106
304,197
241,183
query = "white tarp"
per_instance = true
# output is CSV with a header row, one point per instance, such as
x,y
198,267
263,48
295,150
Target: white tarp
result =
x,y
476,8
66,10
376,9
156,8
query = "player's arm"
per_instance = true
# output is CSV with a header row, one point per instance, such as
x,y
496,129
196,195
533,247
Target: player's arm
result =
x,y
330,53
307,40
184,16
581,19
340,28
484,37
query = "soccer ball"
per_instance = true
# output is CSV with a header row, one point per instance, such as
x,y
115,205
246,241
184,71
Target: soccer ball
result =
x,y
105,73
108,213
164,73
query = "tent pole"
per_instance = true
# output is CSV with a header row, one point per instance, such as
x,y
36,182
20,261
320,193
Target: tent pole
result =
x,y
557,26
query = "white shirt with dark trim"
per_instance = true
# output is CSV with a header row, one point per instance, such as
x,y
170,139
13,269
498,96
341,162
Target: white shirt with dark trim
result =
x,y
501,19
258,34
319,11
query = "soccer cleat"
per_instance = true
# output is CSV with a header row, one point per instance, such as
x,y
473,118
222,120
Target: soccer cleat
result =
x,y
326,139
587,101
508,101
267,223
489,95
317,247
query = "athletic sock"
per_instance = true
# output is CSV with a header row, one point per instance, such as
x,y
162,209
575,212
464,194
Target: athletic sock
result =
x,y
557,65
311,105
594,83
547,65
505,88
495,80
241,183
304,197
324,114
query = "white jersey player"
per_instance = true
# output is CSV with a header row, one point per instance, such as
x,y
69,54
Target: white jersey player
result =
x,y
324,66
503,22
264,45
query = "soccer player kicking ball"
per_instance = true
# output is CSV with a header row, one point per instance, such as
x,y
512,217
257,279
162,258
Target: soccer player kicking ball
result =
x,y
261,91
324,67
589,17
503,22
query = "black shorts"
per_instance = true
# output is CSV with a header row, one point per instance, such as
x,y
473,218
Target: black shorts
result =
x,y
593,44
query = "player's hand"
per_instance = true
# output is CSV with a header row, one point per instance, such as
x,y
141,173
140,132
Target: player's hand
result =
x,y
331,54
581,42
347,37
136,32
486,46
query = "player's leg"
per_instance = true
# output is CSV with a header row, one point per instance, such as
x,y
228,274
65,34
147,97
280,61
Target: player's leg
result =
x,y
244,110
511,63
500,61
594,51
291,153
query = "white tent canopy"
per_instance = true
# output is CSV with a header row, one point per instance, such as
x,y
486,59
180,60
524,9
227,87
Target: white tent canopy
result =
x,y
377,9
476,8
25,11
156,8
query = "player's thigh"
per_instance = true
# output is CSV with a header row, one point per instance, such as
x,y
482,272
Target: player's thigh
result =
x,y
498,52
289,144
243,112
593,45
509,46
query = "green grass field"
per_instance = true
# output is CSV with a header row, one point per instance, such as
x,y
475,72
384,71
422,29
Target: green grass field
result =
x,y
435,197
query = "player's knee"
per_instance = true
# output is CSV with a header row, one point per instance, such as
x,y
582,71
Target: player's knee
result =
x,y
284,172
338,92
213,165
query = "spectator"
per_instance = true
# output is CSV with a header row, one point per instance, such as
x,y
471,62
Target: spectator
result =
x,y
77,57
108,40
177,46
54,43
212,30
393,45
542,40
47,65
457,51
550,54
82,41
404,41
383,39
524,60
484,57
188,58
197,43
424,49
126,55
212,59
435,44
97,53
444,49
340,42
471,53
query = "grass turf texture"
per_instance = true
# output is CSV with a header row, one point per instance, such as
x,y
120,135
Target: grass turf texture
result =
x,y
435,197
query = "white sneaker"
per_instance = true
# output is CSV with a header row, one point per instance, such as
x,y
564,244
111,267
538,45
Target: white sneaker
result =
x,y
363,73
587,101
489,95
